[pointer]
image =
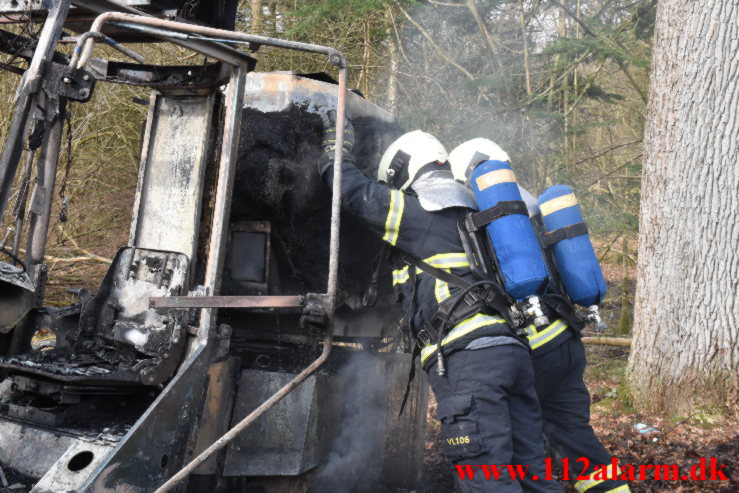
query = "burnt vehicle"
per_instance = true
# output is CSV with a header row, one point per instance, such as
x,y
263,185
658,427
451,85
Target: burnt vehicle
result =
x,y
194,329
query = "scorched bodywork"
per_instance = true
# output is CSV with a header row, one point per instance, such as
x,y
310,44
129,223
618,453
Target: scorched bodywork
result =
x,y
196,322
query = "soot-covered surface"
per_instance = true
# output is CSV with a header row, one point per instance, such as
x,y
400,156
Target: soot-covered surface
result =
x,y
277,180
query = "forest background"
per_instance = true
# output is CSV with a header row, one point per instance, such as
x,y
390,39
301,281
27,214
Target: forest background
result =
x,y
560,84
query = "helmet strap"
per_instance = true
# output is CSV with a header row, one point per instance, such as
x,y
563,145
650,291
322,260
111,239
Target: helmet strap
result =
x,y
397,172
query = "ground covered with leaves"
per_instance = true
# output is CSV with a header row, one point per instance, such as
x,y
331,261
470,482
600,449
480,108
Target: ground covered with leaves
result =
x,y
683,440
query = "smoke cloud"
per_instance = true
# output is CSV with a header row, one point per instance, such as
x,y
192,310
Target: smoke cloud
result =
x,y
354,464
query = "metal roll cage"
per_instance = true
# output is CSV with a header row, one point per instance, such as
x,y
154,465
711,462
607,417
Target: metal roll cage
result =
x,y
207,41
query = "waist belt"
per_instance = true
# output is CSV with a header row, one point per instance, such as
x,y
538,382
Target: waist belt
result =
x,y
450,313
537,339
464,329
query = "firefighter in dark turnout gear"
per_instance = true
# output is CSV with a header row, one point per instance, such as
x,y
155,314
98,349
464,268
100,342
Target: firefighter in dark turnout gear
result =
x,y
558,358
487,406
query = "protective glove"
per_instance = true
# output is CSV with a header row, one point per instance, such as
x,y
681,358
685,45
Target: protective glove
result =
x,y
329,142
314,317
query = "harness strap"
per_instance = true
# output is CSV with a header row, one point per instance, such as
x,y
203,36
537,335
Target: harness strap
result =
x,y
416,349
565,233
440,274
501,209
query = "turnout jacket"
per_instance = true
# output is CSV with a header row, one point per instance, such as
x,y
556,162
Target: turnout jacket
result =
x,y
398,218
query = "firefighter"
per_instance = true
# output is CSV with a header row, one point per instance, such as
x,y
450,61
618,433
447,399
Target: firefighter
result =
x,y
558,357
483,380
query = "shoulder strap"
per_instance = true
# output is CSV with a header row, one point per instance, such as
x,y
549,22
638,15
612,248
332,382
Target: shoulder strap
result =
x,y
440,274
503,208
565,233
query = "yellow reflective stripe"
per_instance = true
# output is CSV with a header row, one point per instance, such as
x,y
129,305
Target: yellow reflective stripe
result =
x,y
394,216
538,339
441,291
557,204
400,276
495,177
444,261
586,484
460,330
447,261
621,489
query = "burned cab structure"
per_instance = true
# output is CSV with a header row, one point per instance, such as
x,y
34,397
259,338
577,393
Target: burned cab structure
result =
x,y
194,330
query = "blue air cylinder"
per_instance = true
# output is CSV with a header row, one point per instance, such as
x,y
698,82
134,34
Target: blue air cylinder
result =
x,y
513,238
576,260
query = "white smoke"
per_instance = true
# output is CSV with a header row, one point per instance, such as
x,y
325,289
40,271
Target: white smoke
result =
x,y
354,464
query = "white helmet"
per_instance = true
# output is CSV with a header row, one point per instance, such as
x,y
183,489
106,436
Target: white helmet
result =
x,y
419,161
402,161
466,156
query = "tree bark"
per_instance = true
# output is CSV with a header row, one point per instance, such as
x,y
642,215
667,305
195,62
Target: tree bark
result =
x,y
256,16
685,353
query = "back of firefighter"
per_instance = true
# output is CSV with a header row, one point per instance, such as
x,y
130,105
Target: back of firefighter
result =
x,y
487,406
558,358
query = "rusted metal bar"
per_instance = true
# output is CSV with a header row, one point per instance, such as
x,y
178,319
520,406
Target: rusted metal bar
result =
x,y
219,52
110,42
335,56
224,192
253,416
42,197
19,211
333,260
186,302
30,85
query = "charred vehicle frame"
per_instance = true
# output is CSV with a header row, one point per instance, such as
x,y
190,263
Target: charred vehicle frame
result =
x,y
194,328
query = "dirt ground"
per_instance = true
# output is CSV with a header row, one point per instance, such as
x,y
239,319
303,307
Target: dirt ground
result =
x,y
683,441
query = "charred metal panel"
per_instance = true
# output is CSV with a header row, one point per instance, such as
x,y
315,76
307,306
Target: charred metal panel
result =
x,y
290,438
217,412
121,339
73,467
271,92
157,445
17,297
15,6
402,459
31,450
175,153
375,446
249,255
345,420
277,181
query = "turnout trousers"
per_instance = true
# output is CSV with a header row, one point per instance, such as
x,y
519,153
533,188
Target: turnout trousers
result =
x,y
565,406
490,415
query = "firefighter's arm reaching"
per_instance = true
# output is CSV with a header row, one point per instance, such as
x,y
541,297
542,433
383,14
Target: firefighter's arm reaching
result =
x,y
381,208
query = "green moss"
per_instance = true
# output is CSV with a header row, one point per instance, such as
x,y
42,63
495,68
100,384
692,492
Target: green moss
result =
x,y
617,400
705,417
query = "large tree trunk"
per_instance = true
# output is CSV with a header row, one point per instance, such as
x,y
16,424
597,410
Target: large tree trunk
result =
x,y
686,321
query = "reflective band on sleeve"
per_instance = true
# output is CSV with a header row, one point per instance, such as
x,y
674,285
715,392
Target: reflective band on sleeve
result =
x,y
460,330
444,261
394,216
400,276
447,261
557,204
586,484
441,291
538,339
495,178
